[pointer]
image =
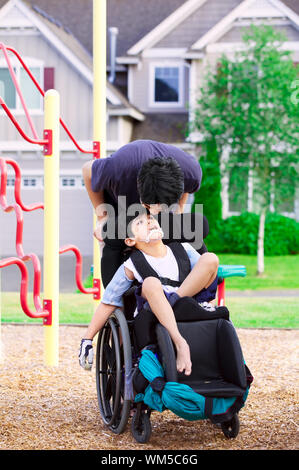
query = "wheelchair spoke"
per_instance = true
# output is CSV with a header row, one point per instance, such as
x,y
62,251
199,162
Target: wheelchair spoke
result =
x,y
108,391
110,355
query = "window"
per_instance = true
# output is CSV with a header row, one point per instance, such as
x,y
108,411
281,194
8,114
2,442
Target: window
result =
x,y
71,182
166,85
31,95
29,182
7,89
68,182
10,182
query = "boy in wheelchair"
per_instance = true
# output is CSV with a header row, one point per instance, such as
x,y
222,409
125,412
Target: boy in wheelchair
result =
x,y
165,275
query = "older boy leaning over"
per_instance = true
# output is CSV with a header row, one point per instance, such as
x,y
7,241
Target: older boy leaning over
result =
x,y
146,235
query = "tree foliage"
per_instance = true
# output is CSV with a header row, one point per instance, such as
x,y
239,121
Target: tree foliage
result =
x,y
245,107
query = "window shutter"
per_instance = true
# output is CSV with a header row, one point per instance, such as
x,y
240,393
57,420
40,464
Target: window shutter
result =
x,y
48,78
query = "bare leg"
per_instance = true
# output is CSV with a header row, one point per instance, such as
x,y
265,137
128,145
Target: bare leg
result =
x,y
201,276
153,292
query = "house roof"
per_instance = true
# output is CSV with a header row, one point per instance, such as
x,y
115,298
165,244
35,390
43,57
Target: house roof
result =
x,y
76,16
133,18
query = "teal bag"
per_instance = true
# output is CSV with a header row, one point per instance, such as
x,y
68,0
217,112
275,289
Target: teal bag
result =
x,y
179,398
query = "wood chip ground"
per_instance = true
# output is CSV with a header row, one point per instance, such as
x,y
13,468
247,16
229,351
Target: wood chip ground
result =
x,y
56,408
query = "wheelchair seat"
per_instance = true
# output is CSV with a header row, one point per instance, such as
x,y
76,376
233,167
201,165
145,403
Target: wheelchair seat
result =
x,y
218,368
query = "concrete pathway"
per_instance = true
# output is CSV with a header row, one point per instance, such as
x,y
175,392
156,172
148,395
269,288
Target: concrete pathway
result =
x,y
263,293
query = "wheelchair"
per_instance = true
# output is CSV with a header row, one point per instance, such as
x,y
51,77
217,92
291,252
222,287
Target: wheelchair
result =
x,y
218,370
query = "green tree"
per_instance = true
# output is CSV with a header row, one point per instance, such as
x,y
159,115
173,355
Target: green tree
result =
x,y
209,193
245,107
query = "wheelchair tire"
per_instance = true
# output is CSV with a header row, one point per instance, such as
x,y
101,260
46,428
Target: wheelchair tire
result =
x,y
113,363
231,428
167,352
141,426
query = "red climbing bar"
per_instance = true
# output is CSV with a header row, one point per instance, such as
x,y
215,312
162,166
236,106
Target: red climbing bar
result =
x,y
3,169
96,145
91,290
41,312
18,127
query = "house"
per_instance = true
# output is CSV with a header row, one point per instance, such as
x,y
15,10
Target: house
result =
x,y
162,51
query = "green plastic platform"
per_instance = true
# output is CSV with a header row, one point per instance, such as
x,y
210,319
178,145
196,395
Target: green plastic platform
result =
x,y
231,270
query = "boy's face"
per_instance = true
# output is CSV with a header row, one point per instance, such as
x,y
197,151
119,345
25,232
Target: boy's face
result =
x,y
145,229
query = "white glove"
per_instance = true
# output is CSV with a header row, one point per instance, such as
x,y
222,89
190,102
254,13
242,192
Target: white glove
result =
x,y
86,354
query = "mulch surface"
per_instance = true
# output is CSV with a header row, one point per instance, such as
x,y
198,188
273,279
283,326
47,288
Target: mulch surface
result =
x,y
56,408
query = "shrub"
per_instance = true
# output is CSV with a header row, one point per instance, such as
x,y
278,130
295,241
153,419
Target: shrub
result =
x,y
239,234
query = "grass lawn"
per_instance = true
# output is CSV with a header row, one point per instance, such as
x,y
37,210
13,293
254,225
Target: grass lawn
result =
x,y
264,312
281,272
246,312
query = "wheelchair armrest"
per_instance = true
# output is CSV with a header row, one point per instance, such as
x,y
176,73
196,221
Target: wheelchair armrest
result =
x,y
231,270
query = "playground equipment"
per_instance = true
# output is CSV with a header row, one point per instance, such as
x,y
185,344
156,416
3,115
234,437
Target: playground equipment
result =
x,y
48,310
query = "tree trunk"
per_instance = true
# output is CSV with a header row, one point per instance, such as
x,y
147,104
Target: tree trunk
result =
x,y
260,243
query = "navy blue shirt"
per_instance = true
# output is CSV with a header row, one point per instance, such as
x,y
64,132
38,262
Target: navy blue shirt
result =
x,y
116,175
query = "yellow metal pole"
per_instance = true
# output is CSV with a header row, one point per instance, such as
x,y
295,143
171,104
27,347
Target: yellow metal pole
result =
x,y
51,229
99,101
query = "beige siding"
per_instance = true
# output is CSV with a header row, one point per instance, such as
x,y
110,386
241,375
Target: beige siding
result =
x,y
197,24
235,34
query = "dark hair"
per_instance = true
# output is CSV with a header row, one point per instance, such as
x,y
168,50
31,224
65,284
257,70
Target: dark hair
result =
x,y
160,181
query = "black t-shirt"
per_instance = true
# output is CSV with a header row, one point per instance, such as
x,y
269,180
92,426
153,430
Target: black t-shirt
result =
x,y
116,175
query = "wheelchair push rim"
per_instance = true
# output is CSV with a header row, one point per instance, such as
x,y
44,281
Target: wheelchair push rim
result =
x,y
113,363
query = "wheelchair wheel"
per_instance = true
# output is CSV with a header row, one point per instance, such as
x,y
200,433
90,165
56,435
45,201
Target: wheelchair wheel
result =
x,y
231,428
141,426
113,363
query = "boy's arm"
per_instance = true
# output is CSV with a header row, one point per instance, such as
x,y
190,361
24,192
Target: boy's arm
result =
x,y
112,299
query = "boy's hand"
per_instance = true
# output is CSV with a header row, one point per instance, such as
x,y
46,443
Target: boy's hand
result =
x,y
86,354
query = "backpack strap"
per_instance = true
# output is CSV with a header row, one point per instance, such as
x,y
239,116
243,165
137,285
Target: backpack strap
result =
x,y
145,270
182,259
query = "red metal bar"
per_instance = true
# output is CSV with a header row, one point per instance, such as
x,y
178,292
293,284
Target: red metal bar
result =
x,y
40,313
18,127
221,291
16,84
96,150
19,230
17,187
91,290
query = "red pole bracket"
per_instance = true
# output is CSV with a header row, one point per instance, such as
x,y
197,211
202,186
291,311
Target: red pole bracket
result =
x,y
48,146
97,284
221,293
47,305
96,149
